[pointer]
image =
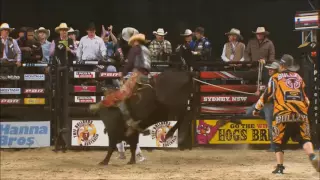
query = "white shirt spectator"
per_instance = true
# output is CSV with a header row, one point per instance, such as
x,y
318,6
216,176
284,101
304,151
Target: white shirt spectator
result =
x,y
91,49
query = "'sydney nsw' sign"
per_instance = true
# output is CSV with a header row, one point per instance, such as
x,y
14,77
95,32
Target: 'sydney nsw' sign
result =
x,y
253,131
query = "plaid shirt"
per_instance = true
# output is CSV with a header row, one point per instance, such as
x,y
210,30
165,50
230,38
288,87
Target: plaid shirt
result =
x,y
156,47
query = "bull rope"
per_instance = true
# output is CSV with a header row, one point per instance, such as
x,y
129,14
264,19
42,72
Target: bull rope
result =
x,y
241,92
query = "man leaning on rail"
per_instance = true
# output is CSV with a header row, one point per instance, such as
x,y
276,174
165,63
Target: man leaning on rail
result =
x,y
286,90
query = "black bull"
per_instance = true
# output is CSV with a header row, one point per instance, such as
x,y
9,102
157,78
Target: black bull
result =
x,y
168,97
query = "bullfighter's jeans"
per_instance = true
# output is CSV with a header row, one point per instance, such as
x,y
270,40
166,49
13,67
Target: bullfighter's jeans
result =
x,y
267,113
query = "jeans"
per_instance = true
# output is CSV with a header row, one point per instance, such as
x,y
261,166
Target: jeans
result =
x,y
267,114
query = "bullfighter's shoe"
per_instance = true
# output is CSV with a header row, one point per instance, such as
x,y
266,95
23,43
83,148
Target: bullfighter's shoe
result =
x,y
315,161
141,157
121,155
279,169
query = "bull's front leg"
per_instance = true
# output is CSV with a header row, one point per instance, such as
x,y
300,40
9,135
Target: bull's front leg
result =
x,y
108,156
133,141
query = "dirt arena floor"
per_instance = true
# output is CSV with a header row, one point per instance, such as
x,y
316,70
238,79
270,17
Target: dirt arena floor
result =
x,y
197,164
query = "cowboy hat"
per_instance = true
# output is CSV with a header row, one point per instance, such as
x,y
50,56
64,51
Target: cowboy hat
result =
x,y
160,32
4,26
42,29
274,65
62,26
288,62
236,32
187,32
128,32
261,30
137,37
72,31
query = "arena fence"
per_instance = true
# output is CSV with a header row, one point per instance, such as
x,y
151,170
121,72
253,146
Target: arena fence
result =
x,y
55,107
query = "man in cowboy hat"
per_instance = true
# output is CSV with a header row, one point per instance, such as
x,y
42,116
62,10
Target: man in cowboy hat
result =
x,y
261,49
291,104
31,49
234,49
202,47
267,111
188,45
74,34
91,47
62,44
9,48
159,47
42,34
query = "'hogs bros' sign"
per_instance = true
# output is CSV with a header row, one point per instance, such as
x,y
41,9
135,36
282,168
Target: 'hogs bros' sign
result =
x,y
24,134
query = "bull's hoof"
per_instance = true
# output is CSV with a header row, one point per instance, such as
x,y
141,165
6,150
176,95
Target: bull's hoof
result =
x,y
131,162
103,163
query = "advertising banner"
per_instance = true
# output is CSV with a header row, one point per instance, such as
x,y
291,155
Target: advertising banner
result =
x,y
9,77
25,134
229,99
10,101
34,77
91,133
84,74
84,88
110,75
253,131
33,91
85,99
34,101
10,91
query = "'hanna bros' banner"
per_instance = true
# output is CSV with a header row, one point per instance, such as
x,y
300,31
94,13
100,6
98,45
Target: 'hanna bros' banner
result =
x,y
253,131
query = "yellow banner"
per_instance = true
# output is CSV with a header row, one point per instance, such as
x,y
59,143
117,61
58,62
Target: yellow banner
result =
x,y
34,100
251,131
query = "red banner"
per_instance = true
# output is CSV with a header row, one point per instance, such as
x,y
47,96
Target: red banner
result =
x,y
229,75
110,75
10,101
84,88
229,99
33,91
224,109
244,88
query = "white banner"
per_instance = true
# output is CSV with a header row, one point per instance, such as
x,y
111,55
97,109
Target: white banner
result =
x,y
10,91
85,99
84,74
25,134
34,77
91,133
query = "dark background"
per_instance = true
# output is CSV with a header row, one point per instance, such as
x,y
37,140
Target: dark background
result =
x,y
217,17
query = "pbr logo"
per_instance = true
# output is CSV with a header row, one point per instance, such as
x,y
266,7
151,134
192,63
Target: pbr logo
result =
x,y
85,99
85,132
34,77
84,74
159,132
105,74
10,101
10,91
33,91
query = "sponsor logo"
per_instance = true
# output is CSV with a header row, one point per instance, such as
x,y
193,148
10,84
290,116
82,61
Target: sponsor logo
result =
x,y
33,91
85,99
10,101
84,74
84,88
10,91
224,98
34,100
106,74
85,132
293,83
34,77
159,132
9,77
24,134
34,65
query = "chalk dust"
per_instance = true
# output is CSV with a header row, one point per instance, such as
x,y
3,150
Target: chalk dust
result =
x,y
198,164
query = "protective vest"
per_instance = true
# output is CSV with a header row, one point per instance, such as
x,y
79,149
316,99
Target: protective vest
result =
x,y
143,60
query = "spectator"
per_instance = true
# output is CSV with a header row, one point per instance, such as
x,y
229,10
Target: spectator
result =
x,y
31,50
62,44
233,50
110,45
188,45
91,47
267,111
261,49
202,45
9,49
160,48
74,34
42,34
21,36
